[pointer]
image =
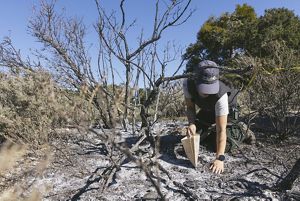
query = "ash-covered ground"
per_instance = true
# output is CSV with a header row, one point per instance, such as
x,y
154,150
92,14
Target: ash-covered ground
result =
x,y
81,168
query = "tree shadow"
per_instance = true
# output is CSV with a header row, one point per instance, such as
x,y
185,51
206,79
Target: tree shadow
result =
x,y
262,125
86,188
168,145
99,148
170,148
251,189
130,141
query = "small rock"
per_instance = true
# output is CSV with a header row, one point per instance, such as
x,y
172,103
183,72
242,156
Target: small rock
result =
x,y
176,169
222,185
170,125
184,171
152,195
271,195
191,184
118,176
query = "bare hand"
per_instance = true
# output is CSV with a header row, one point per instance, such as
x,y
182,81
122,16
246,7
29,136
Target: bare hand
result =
x,y
217,167
191,130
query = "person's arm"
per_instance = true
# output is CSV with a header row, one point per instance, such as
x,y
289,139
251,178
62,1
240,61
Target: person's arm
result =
x,y
190,110
191,116
221,123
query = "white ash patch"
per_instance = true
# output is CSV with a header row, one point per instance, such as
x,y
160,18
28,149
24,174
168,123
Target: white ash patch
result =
x,y
76,172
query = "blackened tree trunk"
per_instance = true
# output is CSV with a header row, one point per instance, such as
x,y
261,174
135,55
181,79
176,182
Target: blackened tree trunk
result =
x,y
288,181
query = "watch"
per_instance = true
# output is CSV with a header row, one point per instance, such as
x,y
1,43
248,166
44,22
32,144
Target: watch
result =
x,y
221,158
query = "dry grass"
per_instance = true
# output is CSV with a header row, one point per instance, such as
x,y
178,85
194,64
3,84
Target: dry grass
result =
x,y
9,154
32,105
17,169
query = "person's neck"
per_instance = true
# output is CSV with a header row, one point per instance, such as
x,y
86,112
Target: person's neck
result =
x,y
203,95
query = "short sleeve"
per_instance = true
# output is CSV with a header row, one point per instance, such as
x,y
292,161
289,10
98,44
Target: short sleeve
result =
x,y
185,89
221,107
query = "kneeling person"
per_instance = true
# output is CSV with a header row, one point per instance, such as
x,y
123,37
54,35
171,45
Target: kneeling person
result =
x,y
215,101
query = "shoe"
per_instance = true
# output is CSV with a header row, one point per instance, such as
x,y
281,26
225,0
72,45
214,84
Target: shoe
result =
x,y
249,135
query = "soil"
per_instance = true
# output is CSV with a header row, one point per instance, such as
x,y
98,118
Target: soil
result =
x,y
80,164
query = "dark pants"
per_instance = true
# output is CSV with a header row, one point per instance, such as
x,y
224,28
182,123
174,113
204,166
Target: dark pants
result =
x,y
205,121
205,124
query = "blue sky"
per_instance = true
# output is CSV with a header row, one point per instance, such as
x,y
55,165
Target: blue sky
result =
x,y
15,14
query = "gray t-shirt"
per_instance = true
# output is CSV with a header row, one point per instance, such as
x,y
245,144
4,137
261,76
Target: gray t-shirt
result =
x,y
221,106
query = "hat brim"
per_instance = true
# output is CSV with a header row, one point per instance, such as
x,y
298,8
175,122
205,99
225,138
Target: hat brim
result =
x,y
209,88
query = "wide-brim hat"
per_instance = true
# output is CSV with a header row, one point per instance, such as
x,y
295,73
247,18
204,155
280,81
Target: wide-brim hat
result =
x,y
207,81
